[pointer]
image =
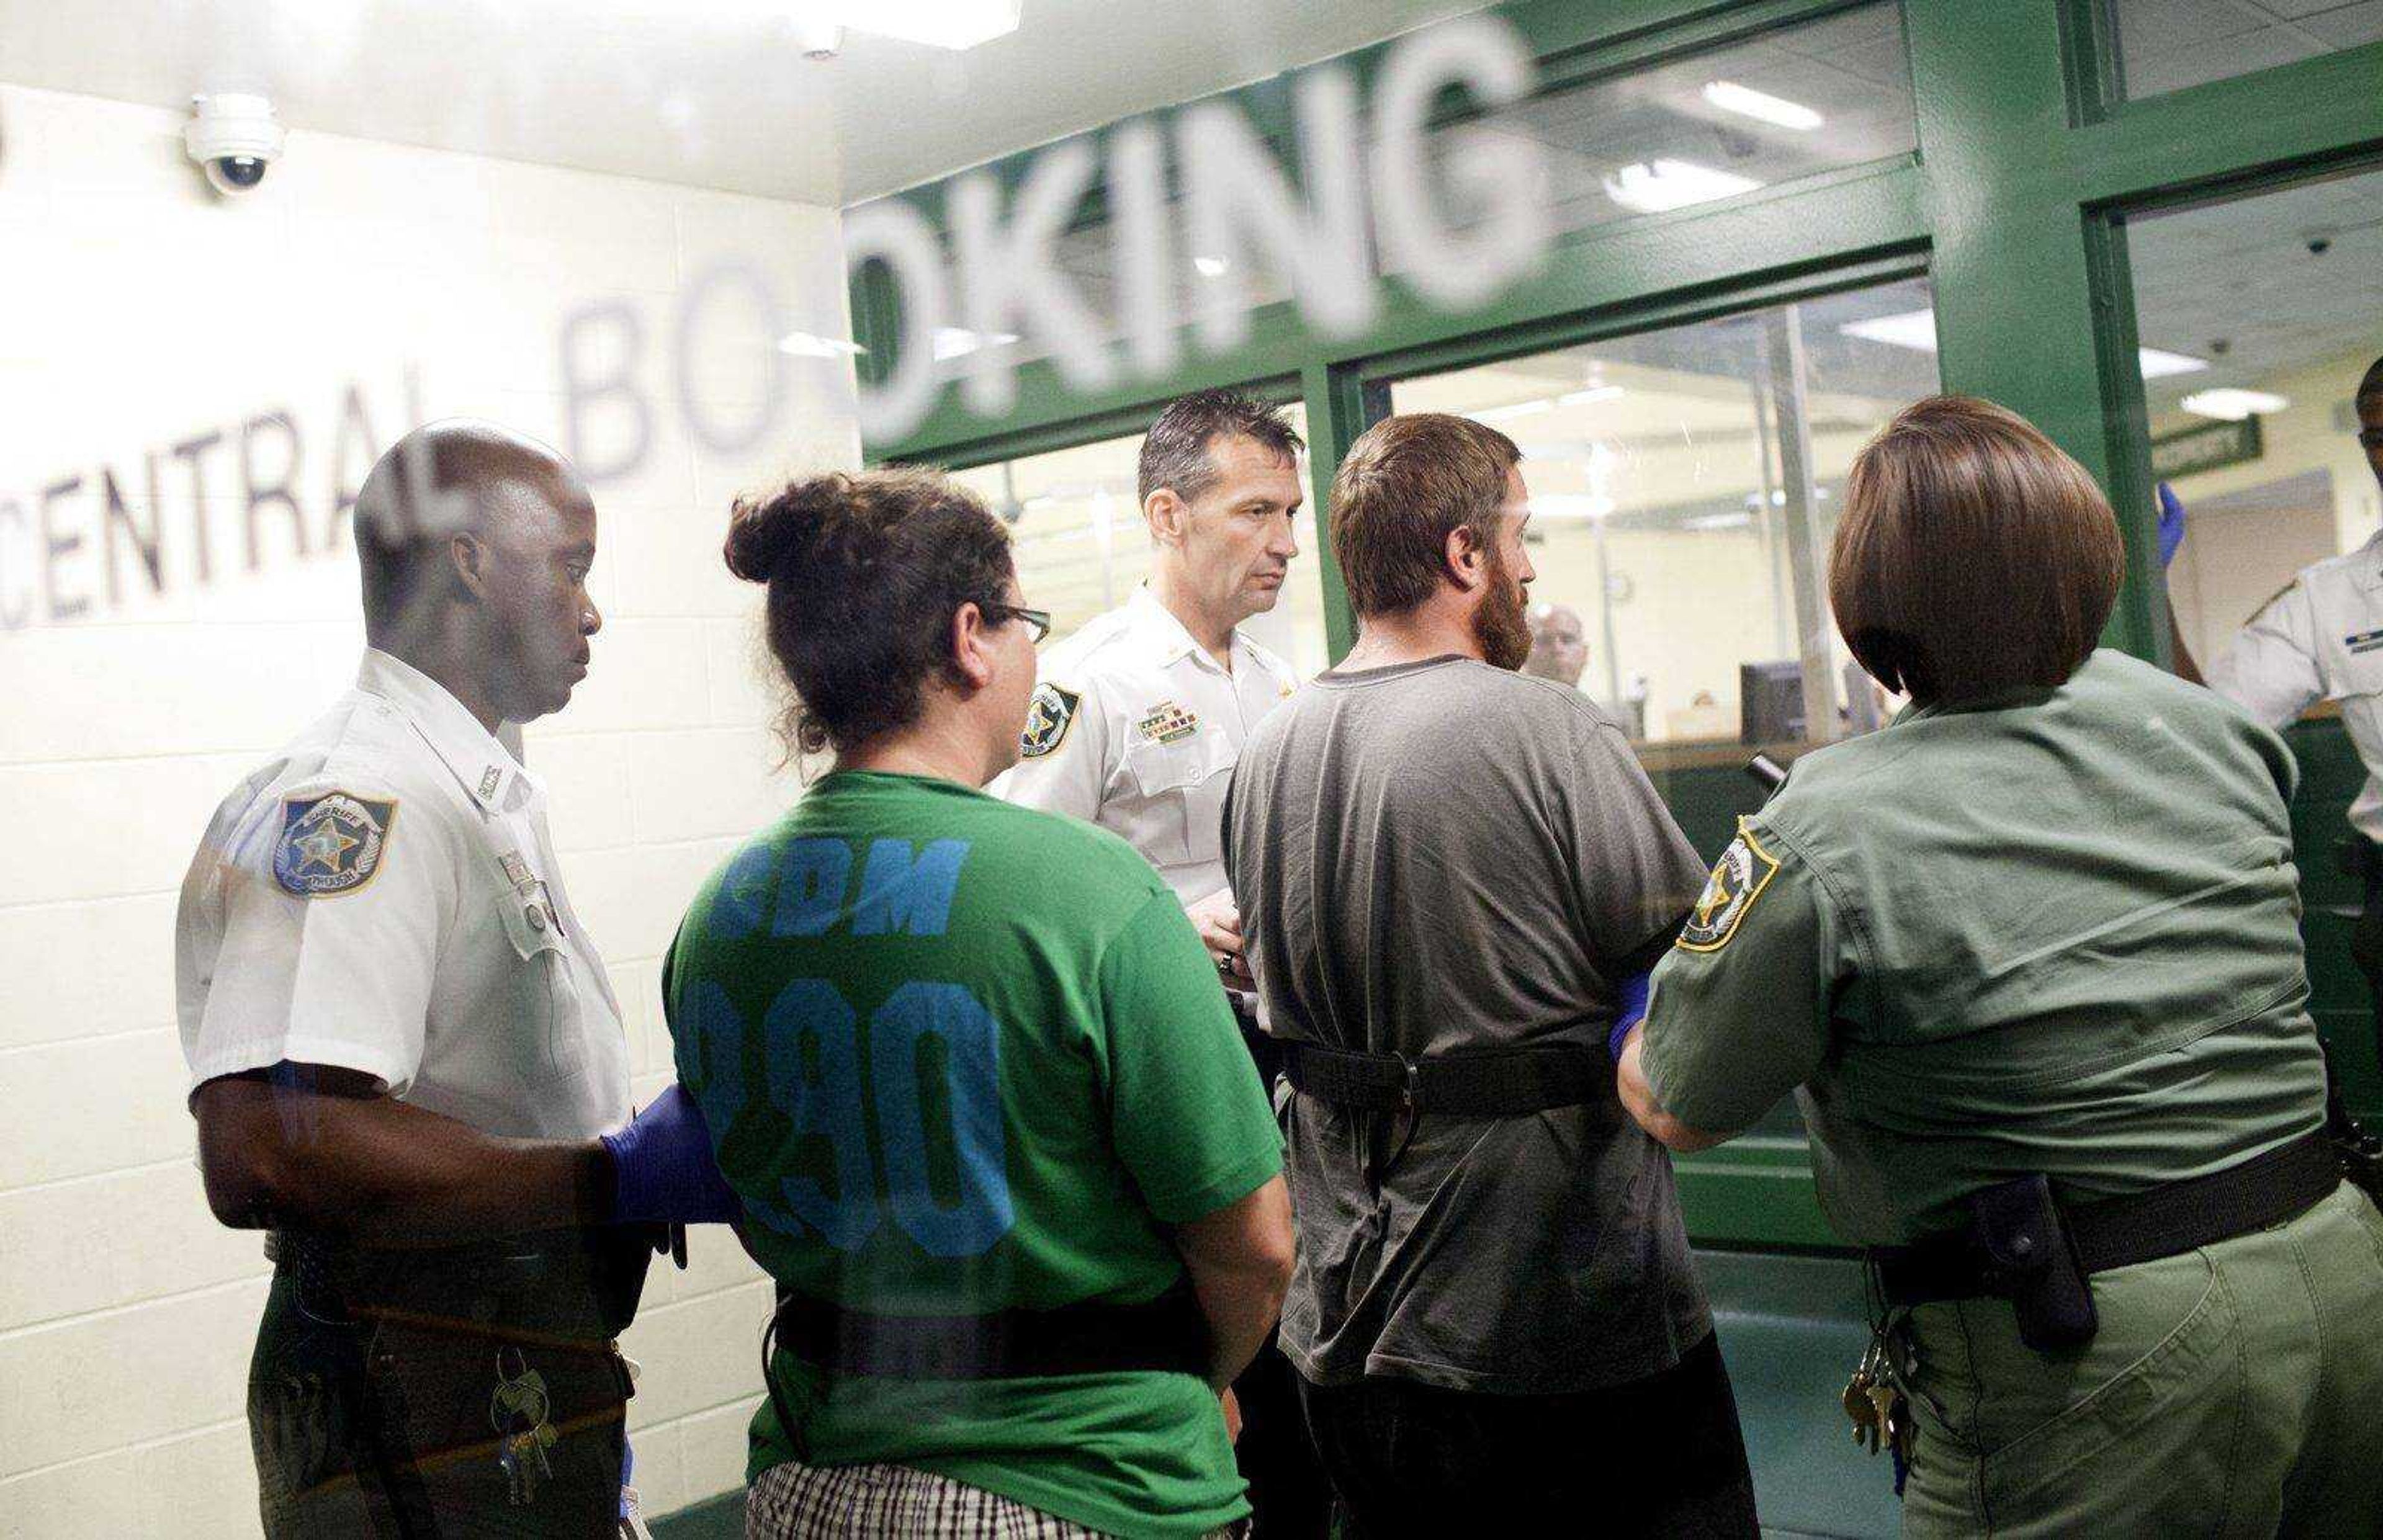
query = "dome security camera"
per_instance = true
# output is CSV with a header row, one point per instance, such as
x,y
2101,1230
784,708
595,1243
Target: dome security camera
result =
x,y
234,139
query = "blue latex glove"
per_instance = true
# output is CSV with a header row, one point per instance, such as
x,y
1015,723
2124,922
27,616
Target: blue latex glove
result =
x,y
664,1168
628,1468
2171,525
1633,1011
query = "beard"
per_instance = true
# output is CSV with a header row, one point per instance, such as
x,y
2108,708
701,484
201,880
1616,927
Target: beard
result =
x,y
1501,622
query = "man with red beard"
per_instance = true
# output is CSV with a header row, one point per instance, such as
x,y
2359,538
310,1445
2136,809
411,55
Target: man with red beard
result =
x,y
1448,872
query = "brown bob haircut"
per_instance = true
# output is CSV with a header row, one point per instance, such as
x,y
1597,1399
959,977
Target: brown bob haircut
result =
x,y
1406,484
1973,557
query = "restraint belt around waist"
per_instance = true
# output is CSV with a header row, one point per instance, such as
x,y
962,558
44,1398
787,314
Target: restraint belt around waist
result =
x,y
1491,1082
2266,1190
1167,1333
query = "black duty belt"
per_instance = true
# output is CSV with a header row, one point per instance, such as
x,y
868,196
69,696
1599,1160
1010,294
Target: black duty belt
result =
x,y
1489,1082
1167,1333
2266,1190
578,1282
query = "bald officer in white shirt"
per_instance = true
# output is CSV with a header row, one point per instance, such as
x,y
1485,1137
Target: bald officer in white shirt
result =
x,y
1142,714
2321,639
406,1058
1136,726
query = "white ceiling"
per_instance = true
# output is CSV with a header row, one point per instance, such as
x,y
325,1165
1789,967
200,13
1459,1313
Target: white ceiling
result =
x,y
711,92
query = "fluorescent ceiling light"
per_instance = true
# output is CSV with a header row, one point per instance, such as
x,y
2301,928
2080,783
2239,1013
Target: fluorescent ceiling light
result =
x,y
2156,362
957,341
1571,505
2229,405
1594,393
803,344
1662,185
1718,521
1916,330
1211,266
1912,328
1507,413
938,23
1729,96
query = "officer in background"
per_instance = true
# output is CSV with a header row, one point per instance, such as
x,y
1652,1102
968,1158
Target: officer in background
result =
x,y
2032,952
1559,644
405,1055
2321,639
1136,726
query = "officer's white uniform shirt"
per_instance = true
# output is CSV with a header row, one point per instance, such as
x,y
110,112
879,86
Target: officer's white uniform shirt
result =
x,y
1136,728
2321,638
383,896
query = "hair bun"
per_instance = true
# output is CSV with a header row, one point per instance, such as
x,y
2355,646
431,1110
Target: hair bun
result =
x,y
765,536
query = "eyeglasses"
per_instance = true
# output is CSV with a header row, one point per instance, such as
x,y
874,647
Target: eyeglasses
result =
x,y
1037,620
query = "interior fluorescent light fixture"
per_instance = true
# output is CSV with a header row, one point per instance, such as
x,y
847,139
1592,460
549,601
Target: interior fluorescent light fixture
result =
x,y
1211,266
2156,362
1729,96
1593,393
958,342
1916,330
1571,505
1659,186
938,23
803,344
2229,405
1507,413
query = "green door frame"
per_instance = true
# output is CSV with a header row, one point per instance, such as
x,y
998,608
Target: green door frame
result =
x,y
2014,205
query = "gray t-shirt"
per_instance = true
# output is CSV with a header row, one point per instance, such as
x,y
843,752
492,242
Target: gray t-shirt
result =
x,y
1442,855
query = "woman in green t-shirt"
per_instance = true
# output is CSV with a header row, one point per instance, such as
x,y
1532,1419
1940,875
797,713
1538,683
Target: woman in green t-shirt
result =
x,y
970,1073
2032,954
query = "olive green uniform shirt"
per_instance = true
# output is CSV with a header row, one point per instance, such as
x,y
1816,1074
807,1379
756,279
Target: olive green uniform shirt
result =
x,y
2053,932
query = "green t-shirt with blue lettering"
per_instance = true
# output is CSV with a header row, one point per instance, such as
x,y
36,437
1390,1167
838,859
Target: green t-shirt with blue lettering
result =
x,y
959,1056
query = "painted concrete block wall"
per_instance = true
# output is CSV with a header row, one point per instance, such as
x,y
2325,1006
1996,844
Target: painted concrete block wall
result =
x,y
363,287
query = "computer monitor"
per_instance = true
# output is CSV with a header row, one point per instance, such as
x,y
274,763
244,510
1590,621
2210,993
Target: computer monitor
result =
x,y
1770,702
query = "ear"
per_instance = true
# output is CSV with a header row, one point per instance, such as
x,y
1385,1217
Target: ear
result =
x,y
971,645
469,557
1465,559
1168,516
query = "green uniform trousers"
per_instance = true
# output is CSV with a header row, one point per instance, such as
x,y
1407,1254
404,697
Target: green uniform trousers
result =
x,y
2235,1390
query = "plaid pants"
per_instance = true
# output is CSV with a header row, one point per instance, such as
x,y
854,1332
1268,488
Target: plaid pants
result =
x,y
846,1502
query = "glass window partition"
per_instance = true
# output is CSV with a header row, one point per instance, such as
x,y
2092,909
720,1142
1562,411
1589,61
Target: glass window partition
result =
x,y
2168,45
1683,486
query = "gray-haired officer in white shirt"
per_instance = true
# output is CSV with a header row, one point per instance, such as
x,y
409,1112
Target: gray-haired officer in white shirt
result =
x,y
2321,639
1142,714
1136,726
406,1059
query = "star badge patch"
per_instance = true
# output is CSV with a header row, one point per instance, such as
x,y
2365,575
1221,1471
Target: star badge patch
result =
x,y
1048,717
1738,879
331,844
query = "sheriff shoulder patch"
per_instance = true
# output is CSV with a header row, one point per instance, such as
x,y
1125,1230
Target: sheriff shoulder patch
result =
x,y
1738,879
331,844
1048,717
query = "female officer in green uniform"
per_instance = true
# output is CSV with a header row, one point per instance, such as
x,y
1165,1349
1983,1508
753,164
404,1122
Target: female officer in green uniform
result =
x,y
2032,954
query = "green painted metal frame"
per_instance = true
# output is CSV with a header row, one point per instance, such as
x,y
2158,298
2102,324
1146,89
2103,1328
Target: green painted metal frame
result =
x,y
2030,161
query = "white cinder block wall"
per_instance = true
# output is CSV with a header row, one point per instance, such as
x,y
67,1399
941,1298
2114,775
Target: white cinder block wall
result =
x,y
365,287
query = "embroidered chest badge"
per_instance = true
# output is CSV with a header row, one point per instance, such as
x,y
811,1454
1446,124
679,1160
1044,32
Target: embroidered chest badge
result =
x,y
1167,723
331,844
1738,879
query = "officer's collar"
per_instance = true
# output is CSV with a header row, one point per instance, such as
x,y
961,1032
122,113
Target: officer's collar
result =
x,y
1171,640
479,762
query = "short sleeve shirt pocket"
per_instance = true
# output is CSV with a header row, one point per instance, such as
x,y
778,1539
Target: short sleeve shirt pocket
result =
x,y
1178,791
541,999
